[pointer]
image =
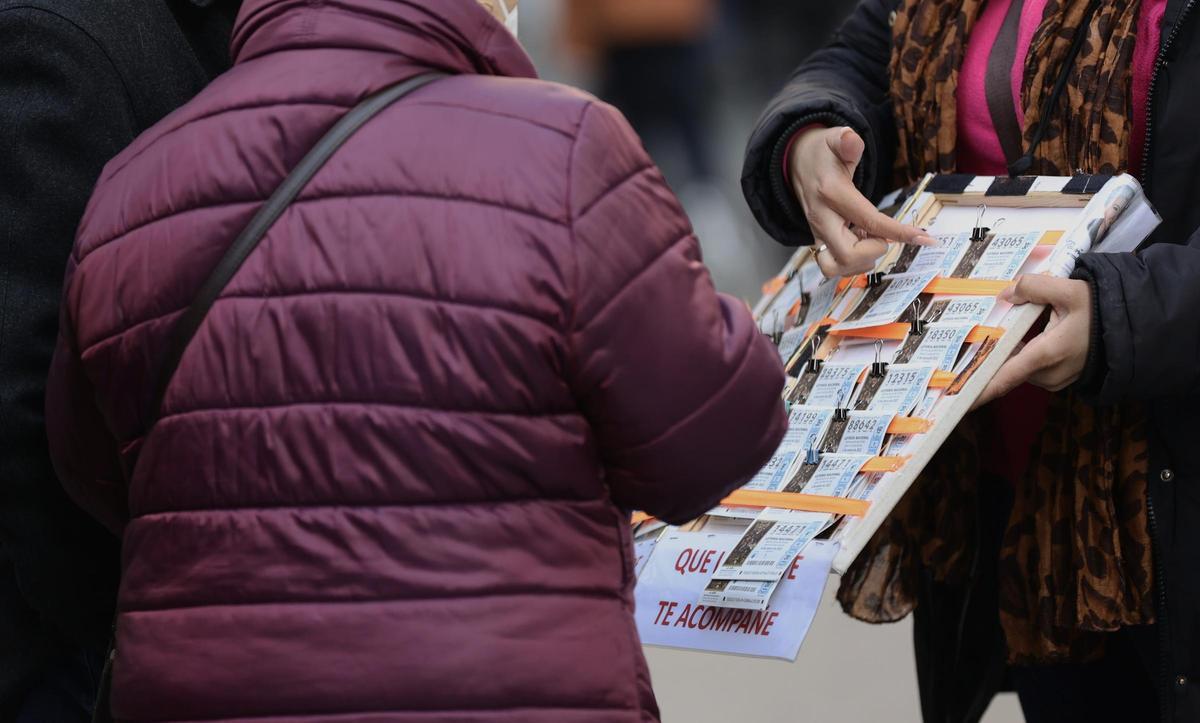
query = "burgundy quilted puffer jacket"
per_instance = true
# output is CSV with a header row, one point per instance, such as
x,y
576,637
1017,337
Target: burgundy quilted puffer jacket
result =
x,y
392,473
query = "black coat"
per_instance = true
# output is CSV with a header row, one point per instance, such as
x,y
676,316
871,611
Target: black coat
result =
x,y
1147,334
79,79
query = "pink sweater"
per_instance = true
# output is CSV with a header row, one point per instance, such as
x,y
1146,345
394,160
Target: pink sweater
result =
x,y
1016,420
978,145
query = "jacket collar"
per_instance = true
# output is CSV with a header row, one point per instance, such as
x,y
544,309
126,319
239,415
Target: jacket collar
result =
x,y
457,36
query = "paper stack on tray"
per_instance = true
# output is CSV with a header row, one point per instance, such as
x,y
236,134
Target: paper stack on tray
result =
x,y
881,367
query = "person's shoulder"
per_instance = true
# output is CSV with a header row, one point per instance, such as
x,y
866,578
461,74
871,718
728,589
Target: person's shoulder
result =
x,y
551,107
88,17
101,28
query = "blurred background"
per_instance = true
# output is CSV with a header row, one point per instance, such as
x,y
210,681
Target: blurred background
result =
x,y
692,77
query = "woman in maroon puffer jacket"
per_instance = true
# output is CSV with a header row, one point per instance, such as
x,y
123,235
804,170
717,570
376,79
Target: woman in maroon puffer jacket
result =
x,y
389,478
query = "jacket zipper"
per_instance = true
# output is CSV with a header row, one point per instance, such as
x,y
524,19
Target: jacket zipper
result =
x,y
1164,639
1160,579
1159,62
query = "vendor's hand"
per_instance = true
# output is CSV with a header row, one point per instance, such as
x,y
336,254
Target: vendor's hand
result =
x,y
1055,358
852,231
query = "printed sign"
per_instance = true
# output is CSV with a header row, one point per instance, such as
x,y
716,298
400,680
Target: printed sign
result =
x,y
670,612
641,553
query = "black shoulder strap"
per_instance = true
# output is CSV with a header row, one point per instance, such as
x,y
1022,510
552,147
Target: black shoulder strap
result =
x,y
266,217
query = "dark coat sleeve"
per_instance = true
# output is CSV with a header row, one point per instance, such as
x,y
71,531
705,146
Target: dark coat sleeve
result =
x,y
63,113
843,84
682,391
1146,341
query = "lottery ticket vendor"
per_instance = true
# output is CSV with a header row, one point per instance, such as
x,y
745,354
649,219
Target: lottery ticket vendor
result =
x,y
391,477
1055,542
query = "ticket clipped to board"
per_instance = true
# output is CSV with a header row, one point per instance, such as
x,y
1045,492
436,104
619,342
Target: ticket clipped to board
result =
x,y
881,368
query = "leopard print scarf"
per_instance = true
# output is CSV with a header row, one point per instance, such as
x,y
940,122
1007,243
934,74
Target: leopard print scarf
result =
x,y
1089,126
1075,562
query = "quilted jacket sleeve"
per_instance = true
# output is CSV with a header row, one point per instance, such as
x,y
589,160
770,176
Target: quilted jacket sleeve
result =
x,y
681,389
843,84
85,453
1147,343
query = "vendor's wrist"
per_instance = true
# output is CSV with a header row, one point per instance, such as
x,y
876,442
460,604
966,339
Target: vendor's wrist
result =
x,y
800,140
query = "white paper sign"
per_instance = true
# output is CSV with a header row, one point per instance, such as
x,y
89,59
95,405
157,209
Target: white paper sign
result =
x,y
901,388
940,346
1005,256
641,554
770,543
669,612
901,291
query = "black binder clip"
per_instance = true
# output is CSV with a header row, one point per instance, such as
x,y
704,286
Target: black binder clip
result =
x,y
875,278
776,336
814,364
918,325
879,368
841,414
812,456
980,232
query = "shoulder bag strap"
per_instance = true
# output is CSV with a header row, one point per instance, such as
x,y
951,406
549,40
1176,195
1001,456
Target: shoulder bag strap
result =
x,y
266,217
